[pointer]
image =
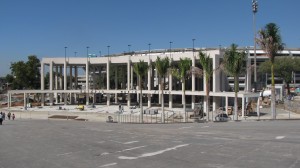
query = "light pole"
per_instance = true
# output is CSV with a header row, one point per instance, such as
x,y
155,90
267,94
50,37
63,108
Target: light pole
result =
x,y
193,46
254,10
87,52
170,48
100,53
149,46
75,53
129,48
108,50
66,53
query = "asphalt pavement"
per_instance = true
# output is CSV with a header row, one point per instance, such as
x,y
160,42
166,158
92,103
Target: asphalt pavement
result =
x,y
79,144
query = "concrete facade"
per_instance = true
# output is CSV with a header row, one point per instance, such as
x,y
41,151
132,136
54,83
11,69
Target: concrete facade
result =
x,y
88,78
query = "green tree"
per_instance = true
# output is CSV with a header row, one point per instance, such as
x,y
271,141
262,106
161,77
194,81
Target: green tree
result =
x,y
206,63
270,41
283,67
33,72
162,67
234,64
141,69
182,72
26,75
18,71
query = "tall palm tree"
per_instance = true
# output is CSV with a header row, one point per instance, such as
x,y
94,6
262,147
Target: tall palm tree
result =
x,y
206,63
141,69
162,66
235,64
270,41
182,72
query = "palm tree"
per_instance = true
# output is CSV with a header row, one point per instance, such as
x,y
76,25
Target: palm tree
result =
x,y
234,65
162,67
206,63
270,41
141,68
184,67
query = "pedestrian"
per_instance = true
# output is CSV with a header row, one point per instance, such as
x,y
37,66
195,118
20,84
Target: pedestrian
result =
x,y
3,116
1,120
13,116
8,115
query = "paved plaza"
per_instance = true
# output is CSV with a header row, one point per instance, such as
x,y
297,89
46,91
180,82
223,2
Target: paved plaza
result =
x,y
101,112
79,144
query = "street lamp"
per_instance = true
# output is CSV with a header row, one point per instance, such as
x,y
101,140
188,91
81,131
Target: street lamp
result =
x,y
254,10
108,50
149,44
170,48
129,48
87,52
66,53
193,46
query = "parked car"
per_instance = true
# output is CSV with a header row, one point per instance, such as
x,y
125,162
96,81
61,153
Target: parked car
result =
x,y
222,117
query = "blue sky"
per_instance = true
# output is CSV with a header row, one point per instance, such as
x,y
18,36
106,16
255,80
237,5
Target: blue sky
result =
x,y
45,27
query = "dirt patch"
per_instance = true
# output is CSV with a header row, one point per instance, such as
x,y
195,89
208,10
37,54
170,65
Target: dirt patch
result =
x,y
63,117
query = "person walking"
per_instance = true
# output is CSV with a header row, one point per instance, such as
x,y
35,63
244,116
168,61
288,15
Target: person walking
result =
x,y
8,115
13,116
1,120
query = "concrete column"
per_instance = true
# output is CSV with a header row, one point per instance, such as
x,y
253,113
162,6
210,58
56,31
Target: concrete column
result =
x,y
65,82
60,82
193,83
94,84
42,83
51,99
204,105
226,104
107,75
65,99
243,107
8,100
71,83
248,76
56,83
60,78
170,100
87,83
51,76
56,77
149,75
116,85
51,83
71,76
108,99
129,81
149,100
76,77
43,100
149,82
107,82
131,76
42,77
25,101
65,76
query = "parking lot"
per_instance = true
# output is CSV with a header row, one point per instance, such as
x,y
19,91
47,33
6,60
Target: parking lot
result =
x,y
79,144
